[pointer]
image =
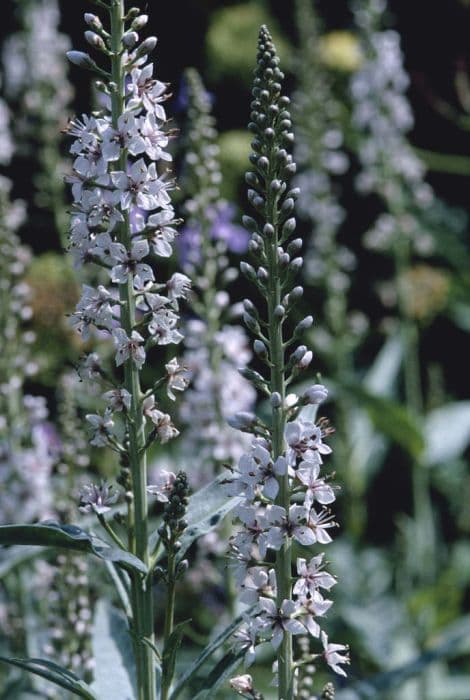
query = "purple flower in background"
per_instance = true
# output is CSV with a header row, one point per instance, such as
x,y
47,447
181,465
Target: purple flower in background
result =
x,y
223,229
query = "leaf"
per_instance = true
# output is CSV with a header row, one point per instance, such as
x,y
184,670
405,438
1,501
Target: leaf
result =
x,y
169,652
16,557
446,432
206,510
382,375
390,418
453,640
55,674
206,653
219,674
114,657
71,537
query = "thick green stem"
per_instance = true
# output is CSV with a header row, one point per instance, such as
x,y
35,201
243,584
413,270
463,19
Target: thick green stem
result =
x,y
277,385
141,597
169,618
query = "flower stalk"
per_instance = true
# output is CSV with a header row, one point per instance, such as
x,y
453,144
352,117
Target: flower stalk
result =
x,y
283,464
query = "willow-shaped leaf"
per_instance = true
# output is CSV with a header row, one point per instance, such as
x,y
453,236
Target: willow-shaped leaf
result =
x,y
55,674
215,644
219,674
112,650
71,537
207,508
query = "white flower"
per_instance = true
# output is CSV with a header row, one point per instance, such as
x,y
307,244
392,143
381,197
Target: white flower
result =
x,y
319,523
162,421
129,264
312,576
280,619
118,399
129,347
291,526
317,489
144,89
163,486
258,583
242,684
332,657
178,286
102,428
97,499
162,232
177,378
163,329
141,186
315,394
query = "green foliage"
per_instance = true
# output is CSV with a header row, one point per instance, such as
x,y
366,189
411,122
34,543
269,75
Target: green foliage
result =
x,y
55,674
71,537
112,650
236,27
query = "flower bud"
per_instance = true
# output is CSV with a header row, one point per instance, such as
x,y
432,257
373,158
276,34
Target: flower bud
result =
x,y
242,684
248,270
268,230
249,223
290,224
260,348
305,324
295,245
147,46
276,400
139,22
315,394
95,40
81,59
279,311
93,21
130,39
243,420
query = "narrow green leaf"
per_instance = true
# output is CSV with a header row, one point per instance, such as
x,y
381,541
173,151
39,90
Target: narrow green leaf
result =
x,y
451,421
219,674
55,674
382,375
390,418
216,643
114,658
169,652
71,537
206,510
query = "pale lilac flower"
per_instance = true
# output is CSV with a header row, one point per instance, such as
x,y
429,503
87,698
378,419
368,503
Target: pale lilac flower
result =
x,y
332,657
280,619
246,637
178,286
317,489
312,576
305,441
129,347
129,263
164,481
97,499
314,606
177,378
118,399
162,327
162,421
102,428
163,232
259,582
242,684
292,525
144,89
319,523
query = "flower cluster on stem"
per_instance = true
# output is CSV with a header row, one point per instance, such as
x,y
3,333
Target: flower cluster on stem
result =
x,y
122,221
286,497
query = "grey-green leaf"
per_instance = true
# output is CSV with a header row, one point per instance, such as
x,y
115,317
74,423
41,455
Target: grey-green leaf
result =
x,y
52,534
55,674
169,652
219,674
447,432
114,659
216,643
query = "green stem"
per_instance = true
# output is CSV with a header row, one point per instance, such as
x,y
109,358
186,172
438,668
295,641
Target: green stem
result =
x,y
277,385
141,590
169,618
